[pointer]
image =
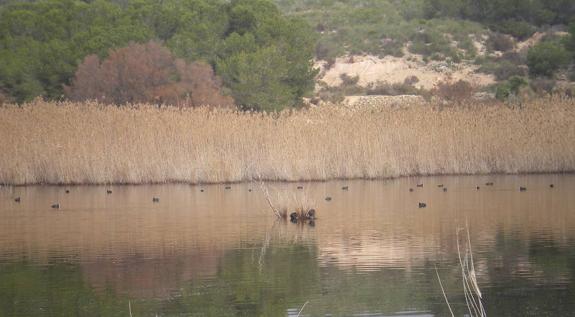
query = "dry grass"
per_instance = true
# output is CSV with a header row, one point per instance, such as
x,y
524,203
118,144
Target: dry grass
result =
x,y
88,143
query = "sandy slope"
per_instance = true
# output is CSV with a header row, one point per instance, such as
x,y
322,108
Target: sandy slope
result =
x,y
371,69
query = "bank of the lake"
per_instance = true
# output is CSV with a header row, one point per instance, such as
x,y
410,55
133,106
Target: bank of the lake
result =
x,y
86,143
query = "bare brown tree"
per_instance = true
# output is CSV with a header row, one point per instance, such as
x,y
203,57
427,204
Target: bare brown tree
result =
x,y
458,91
143,73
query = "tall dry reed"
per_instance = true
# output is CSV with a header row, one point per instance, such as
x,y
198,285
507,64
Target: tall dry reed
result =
x,y
87,143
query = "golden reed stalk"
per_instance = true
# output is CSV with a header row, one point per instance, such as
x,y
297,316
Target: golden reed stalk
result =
x,y
87,143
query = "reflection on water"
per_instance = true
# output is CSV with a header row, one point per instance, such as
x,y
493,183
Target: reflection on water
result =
x,y
221,253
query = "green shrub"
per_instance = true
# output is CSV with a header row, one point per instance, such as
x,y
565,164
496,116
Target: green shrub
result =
x,y
432,44
467,45
518,29
510,88
570,40
545,58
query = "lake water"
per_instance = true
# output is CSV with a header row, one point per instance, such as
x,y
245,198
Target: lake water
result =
x,y
220,252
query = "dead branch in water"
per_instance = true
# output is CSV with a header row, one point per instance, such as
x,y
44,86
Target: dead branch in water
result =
x,y
302,308
266,193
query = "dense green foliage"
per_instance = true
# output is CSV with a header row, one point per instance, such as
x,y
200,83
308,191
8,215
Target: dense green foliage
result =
x,y
570,40
42,42
547,57
516,17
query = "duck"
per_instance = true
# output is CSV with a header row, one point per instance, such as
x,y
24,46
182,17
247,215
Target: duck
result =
x,y
202,190
67,191
419,185
328,198
345,188
422,205
55,206
300,187
228,187
522,189
109,191
551,186
444,189
311,214
489,184
440,185
293,217
155,199
17,199
411,190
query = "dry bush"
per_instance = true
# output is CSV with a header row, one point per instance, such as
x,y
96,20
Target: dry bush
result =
x,y
500,42
3,98
568,91
92,143
348,87
146,73
347,80
506,70
542,86
457,92
411,80
385,88
514,58
331,94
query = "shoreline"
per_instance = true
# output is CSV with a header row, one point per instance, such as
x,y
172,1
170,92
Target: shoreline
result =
x,y
310,181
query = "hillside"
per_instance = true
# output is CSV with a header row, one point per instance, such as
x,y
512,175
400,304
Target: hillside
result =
x,y
272,54
428,42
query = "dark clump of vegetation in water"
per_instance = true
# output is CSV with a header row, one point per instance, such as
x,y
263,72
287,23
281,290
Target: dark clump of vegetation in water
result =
x,y
302,215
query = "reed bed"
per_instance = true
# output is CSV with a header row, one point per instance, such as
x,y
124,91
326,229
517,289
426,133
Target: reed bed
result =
x,y
87,143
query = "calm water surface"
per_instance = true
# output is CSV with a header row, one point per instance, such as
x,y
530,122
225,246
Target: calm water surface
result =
x,y
219,252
